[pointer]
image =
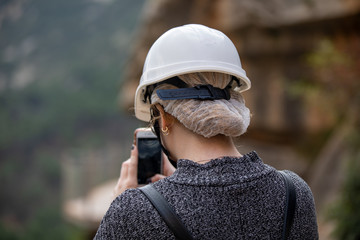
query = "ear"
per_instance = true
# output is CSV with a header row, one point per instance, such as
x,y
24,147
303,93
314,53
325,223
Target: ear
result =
x,y
166,119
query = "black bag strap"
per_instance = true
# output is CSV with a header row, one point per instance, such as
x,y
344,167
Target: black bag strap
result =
x,y
166,212
290,204
180,231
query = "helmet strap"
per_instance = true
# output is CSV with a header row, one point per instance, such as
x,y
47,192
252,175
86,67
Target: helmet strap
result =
x,y
200,92
183,91
175,81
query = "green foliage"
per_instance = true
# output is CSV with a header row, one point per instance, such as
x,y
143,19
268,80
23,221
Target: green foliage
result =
x,y
42,109
47,224
7,234
75,51
31,195
332,87
334,90
346,212
327,55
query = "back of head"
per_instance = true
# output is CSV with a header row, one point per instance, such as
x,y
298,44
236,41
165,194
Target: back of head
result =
x,y
208,117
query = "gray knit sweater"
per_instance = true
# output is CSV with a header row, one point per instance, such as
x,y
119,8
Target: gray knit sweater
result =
x,y
226,198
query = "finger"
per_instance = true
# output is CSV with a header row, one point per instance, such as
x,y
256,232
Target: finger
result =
x,y
134,155
124,170
122,178
132,171
157,177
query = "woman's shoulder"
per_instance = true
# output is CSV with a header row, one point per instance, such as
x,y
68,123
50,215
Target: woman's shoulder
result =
x,y
305,223
302,188
129,209
127,201
119,215
130,203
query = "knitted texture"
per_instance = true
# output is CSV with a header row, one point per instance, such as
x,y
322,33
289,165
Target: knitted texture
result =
x,y
208,117
226,198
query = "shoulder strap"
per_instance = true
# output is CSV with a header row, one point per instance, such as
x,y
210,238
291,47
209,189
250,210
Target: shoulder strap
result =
x,y
166,212
290,204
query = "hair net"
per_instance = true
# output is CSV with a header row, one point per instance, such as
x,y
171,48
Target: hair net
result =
x,y
208,117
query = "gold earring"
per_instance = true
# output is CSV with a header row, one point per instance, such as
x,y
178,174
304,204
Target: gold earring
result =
x,y
165,131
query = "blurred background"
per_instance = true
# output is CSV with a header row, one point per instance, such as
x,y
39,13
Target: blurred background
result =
x,y
68,74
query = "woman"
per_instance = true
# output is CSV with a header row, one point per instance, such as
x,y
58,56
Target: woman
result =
x,y
191,91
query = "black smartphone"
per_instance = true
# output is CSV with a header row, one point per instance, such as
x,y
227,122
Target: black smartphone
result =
x,y
149,155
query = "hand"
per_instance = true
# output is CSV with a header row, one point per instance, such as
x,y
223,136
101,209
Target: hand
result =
x,y
128,174
168,170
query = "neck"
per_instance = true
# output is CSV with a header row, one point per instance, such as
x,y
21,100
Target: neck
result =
x,y
184,144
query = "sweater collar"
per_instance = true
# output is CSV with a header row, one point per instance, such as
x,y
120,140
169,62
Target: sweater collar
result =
x,y
220,171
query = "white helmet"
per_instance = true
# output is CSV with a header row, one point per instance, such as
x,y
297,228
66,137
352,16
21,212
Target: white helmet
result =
x,y
187,49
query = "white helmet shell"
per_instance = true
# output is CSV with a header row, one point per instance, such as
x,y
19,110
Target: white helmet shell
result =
x,y
187,49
